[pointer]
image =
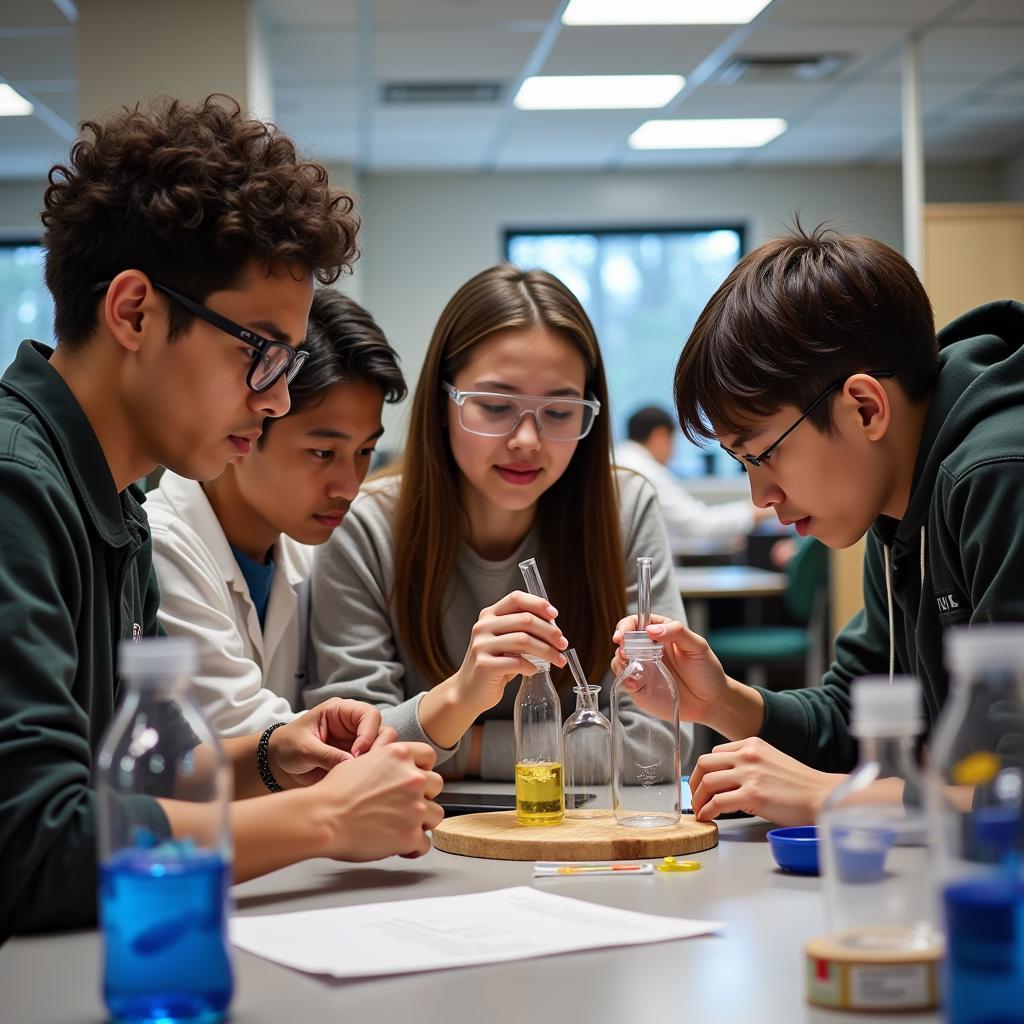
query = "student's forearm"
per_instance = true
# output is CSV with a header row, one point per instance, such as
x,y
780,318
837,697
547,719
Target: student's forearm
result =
x,y
444,717
739,713
241,752
268,833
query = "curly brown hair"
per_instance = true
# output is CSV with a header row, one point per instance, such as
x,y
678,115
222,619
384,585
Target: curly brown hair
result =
x,y
188,194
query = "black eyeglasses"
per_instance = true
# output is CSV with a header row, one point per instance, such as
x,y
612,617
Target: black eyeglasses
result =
x,y
271,360
757,460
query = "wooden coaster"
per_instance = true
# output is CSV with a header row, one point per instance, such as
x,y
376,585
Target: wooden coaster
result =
x,y
584,835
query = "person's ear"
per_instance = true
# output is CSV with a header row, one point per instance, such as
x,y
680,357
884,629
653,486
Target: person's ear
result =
x,y
132,309
866,399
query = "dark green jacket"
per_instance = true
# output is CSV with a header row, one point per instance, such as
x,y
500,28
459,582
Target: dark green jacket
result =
x,y
956,557
75,578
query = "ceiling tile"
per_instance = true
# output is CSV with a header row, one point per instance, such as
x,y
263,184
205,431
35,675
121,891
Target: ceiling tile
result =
x,y
308,56
901,12
448,13
454,55
632,51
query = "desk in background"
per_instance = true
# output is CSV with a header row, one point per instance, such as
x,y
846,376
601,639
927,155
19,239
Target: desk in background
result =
x,y
698,586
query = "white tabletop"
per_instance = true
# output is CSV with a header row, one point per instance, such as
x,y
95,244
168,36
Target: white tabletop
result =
x,y
750,974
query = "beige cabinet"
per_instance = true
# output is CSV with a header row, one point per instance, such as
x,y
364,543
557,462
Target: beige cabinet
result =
x,y
973,253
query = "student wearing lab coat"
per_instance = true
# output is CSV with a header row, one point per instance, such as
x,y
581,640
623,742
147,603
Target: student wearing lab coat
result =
x,y
234,555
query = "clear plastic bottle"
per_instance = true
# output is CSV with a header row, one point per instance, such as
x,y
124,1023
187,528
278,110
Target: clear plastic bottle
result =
x,y
975,802
163,903
645,727
878,887
587,741
537,720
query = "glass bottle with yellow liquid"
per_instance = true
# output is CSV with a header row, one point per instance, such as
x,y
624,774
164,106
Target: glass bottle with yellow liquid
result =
x,y
540,792
537,720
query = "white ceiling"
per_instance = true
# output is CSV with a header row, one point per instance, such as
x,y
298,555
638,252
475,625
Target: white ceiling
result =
x,y
328,68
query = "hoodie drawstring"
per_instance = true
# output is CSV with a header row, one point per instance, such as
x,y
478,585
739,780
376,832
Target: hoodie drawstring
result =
x,y
888,601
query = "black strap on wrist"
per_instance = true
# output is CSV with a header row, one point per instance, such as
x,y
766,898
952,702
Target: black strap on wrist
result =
x,y
263,759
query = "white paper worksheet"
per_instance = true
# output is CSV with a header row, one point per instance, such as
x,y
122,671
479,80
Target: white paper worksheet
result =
x,y
449,931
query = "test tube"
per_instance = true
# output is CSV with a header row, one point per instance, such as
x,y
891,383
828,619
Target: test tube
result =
x,y
534,584
581,680
643,593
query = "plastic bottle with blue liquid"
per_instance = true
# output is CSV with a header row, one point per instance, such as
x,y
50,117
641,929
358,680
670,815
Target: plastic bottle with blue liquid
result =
x,y
976,800
163,901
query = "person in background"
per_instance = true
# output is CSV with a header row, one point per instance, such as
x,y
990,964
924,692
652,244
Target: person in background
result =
x,y
417,600
182,242
647,450
233,555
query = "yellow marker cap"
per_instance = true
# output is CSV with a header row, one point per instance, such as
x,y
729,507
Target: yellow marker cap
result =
x,y
671,864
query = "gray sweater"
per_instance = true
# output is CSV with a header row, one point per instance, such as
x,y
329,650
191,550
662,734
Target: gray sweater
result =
x,y
356,652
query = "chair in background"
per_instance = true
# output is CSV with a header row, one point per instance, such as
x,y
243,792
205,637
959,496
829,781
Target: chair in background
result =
x,y
756,649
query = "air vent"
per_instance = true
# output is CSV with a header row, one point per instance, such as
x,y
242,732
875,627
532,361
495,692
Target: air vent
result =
x,y
408,93
780,69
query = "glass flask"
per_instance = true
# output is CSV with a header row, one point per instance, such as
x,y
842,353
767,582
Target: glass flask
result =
x,y
975,798
878,885
587,741
645,727
163,902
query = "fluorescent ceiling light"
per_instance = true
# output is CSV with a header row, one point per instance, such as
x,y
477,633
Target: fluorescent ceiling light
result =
x,y
662,12
707,133
13,104
597,92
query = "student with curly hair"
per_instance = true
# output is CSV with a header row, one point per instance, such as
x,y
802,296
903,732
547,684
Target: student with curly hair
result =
x,y
181,246
234,555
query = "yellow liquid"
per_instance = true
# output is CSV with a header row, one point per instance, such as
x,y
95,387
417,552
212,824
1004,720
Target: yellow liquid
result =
x,y
540,795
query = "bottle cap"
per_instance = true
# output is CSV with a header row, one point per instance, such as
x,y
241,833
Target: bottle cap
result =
x,y
881,708
984,648
637,644
157,657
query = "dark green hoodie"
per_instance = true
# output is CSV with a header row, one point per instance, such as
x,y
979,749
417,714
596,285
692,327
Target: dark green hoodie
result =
x,y
75,578
956,557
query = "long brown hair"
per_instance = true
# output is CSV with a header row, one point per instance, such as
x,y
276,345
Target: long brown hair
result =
x,y
581,554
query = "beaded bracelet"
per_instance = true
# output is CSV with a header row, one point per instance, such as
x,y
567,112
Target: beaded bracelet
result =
x,y
263,760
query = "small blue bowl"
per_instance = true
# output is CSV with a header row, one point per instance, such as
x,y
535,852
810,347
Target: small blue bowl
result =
x,y
795,849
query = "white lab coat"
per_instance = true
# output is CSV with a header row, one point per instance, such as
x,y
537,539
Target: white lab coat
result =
x,y
248,677
685,516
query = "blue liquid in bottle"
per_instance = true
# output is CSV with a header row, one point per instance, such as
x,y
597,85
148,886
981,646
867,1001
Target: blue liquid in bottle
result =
x,y
165,926
985,931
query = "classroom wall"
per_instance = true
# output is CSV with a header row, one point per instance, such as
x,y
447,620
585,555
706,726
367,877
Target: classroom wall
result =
x,y
424,235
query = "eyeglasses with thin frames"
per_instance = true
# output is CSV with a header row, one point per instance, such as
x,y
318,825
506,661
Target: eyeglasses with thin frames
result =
x,y
271,360
758,460
495,414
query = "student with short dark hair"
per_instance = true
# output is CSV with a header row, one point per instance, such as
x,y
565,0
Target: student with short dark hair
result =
x,y
816,365
182,242
233,555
